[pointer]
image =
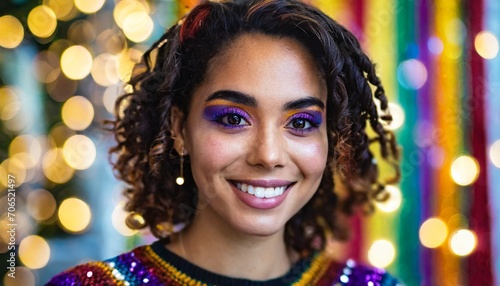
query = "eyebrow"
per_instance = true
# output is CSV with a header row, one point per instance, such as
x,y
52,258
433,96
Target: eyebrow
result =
x,y
233,96
245,99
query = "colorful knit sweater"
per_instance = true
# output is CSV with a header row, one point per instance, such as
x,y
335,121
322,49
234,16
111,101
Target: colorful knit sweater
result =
x,y
156,265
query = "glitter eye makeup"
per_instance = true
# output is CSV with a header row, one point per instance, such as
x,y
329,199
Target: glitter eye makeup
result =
x,y
304,122
227,116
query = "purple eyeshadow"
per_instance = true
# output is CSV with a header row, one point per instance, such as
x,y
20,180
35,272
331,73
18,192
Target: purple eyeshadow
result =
x,y
217,112
315,117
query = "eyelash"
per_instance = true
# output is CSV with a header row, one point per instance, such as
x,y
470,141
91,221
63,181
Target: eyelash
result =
x,y
223,115
309,119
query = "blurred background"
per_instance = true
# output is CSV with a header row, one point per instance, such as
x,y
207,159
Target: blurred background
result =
x,y
64,62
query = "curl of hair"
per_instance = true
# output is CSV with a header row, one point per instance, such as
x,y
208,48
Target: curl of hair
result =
x,y
144,156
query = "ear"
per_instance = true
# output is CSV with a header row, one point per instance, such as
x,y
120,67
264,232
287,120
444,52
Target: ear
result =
x,y
177,120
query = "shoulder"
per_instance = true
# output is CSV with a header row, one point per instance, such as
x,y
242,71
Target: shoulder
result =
x,y
108,272
351,273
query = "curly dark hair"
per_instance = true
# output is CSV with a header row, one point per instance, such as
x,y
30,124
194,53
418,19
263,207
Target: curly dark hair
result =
x,y
176,64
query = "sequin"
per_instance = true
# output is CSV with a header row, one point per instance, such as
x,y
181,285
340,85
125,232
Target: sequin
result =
x,y
149,265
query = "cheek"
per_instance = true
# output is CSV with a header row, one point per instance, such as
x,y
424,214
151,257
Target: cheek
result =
x,y
311,158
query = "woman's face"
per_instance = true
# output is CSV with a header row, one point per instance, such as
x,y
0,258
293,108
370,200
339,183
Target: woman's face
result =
x,y
256,134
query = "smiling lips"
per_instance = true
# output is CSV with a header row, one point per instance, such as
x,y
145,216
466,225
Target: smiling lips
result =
x,y
261,192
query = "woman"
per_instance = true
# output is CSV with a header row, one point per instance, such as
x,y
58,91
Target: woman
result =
x,y
240,117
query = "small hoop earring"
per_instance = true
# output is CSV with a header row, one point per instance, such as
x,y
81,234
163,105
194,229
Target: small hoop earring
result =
x,y
180,179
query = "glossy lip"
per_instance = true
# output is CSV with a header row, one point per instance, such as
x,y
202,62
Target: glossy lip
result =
x,y
262,203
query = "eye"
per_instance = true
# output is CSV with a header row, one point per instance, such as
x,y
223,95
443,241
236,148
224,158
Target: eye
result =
x,y
233,119
300,123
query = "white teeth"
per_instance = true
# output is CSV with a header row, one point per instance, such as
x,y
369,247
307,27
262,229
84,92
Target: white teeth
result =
x,y
251,189
261,192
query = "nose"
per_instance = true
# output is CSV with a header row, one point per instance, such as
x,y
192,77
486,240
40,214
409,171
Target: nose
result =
x,y
268,149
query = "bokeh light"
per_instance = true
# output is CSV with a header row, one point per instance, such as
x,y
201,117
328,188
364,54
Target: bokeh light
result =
x,y
495,153
24,277
126,61
11,32
435,45
138,26
77,113
9,102
118,219
74,215
412,74
398,116
41,204
109,98
126,7
62,88
46,67
463,242
81,32
34,252
63,9
89,6
381,253
105,70
486,45
42,21
433,232
27,149
464,170
59,134
14,167
394,200
55,167
79,152
76,62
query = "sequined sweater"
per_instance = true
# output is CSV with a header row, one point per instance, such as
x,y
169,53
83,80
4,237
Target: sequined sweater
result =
x,y
156,265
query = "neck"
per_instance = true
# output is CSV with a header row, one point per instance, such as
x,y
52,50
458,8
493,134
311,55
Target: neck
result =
x,y
222,250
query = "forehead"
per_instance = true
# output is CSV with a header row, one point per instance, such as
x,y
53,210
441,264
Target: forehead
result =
x,y
258,63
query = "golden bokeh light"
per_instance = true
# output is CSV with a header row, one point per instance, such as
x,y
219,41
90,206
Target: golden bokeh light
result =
x,y
433,232
77,113
34,252
81,32
111,42
486,45
59,134
464,170
138,26
76,62
55,167
62,88
105,70
495,153
42,21
126,7
14,167
65,10
74,215
463,242
24,277
27,149
79,152
126,61
46,66
118,219
9,102
41,204
381,253
393,202
109,98
11,32
89,6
